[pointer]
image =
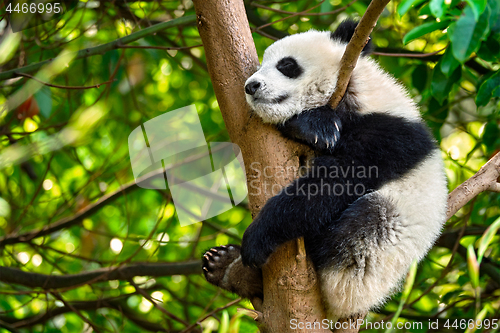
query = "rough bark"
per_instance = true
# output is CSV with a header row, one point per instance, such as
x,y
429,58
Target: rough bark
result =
x,y
291,290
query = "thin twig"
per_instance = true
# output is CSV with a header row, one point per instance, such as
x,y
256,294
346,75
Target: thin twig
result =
x,y
63,87
303,13
156,305
289,17
211,313
409,55
166,48
78,313
8,327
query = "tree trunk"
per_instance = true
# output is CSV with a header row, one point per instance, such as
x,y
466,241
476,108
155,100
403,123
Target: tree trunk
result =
x,y
291,291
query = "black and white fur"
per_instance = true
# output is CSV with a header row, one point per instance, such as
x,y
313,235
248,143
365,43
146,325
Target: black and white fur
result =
x,y
361,244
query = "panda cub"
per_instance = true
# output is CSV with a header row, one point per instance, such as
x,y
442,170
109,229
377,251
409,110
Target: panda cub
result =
x,y
382,188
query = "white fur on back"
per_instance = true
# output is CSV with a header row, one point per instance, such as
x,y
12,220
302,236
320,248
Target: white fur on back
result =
x,y
420,198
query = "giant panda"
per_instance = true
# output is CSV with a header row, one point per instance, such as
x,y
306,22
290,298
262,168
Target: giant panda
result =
x,y
361,241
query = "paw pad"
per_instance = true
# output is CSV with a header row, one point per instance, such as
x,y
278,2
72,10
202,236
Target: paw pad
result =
x,y
216,261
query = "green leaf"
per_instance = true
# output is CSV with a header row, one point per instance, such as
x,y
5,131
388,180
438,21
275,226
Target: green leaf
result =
x,y
463,279
479,319
449,296
44,99
425,10
424,29
448,63
435,116
490,49
473,266
488,89
326,7
441,85
234,323
466,34
486,239
9,44
491,135
419,77
405,5
438,8
494,6
410,280
4,208
477,6
224,323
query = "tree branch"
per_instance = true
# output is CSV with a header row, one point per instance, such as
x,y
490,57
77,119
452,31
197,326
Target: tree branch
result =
x,y
494,187
36,280
485,179
110,303
63,87
211,313
105,47
231,59
354,48
72,220
8,327
77,312
156,305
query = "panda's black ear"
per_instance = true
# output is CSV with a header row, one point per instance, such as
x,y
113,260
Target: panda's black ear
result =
x,y
344,33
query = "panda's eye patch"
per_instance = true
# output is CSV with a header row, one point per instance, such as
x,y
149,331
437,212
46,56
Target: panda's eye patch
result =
x,y
289,67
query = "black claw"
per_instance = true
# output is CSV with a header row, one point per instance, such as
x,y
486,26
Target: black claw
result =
x,y
320,128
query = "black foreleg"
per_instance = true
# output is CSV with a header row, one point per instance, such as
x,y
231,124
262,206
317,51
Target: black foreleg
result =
x,y
301,209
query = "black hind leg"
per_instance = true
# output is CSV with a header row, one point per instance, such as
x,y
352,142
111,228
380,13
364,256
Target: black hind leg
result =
x,y
223,268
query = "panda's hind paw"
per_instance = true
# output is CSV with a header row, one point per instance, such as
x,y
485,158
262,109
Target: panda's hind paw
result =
x,y
222,267
216,260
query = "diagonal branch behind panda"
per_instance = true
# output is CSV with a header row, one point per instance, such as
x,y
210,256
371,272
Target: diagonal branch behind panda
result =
x,y
353,50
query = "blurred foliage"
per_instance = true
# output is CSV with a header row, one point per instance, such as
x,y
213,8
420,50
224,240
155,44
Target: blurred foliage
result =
x,y
64,155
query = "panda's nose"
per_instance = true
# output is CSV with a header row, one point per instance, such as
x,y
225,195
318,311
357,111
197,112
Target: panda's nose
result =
x,y
252,87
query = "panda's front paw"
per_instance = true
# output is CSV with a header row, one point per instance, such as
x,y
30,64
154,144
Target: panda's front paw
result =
x,y
254,249
319,128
